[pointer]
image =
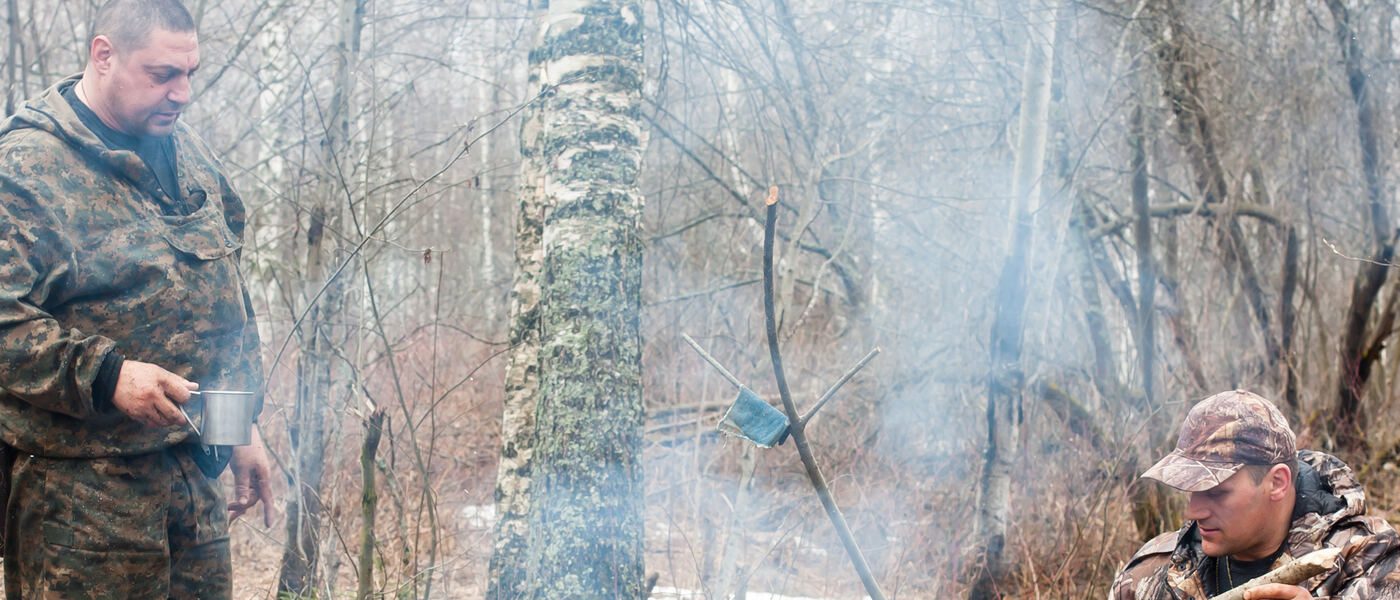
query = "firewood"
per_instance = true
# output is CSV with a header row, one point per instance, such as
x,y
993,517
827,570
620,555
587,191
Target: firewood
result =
x,y
1303,568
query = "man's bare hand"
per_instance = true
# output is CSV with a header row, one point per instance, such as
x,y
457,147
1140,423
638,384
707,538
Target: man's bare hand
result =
x,y
149,394
1277,591
252,480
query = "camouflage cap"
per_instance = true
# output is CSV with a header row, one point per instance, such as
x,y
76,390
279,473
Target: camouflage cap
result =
x,y
1221,435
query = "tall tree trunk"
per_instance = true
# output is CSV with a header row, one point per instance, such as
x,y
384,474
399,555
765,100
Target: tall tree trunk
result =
x,y
1287,318
1147,276
314,387
1182,72
1005,379
506,575
1356,357
1151,504
1105,374
586,491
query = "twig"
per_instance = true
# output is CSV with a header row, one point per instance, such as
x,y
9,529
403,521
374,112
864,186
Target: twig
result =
x,y
713,363
1345,256
713,290
799,437
831,393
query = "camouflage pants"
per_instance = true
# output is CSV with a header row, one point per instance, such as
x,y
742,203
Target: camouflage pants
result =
x,y
149,526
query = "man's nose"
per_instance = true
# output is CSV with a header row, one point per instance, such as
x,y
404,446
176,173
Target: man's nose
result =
x,y
1196,507
180,90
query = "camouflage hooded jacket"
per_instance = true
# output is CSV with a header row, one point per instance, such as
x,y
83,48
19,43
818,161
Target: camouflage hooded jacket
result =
x,y
1333,515
89,264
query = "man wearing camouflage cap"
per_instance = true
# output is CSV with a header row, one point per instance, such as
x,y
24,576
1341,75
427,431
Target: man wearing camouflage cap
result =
x,y
119,289
1255,504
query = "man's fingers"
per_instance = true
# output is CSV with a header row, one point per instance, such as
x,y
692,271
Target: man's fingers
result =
x,y
1277,591
147,418
176,388
265,492
240,503
252,479
235,511
153,416
168,412
250,487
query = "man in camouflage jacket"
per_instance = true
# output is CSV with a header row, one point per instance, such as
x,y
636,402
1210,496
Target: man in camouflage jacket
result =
x,y
1255,504
119,288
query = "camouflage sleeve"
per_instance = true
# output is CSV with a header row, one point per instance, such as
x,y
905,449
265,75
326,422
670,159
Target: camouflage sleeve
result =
x,y
1122,587
41,363
1142,579
1370,569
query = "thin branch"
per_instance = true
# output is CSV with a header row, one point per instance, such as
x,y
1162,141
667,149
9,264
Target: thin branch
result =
x,y
831,393
1177,209
713,290
713,363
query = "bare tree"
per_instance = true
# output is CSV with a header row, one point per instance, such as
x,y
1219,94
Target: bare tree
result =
x,y
1362,344
1005,378
325,295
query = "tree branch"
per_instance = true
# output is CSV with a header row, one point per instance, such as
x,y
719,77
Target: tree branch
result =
x,y
799,437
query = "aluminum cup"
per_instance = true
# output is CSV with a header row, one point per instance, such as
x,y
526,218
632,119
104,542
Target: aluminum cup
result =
x,y
228,418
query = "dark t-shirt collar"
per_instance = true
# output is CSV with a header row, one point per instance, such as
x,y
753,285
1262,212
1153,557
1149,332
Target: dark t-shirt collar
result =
x,y
112,138
156,152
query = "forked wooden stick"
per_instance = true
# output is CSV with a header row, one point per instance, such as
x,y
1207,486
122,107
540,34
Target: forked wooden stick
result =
x,y
1304,568
799,423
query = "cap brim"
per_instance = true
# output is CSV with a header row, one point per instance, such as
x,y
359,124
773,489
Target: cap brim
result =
x,y
1189,474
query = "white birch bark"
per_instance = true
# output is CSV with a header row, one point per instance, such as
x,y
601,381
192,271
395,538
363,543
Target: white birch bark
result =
x,y
586,491
506,574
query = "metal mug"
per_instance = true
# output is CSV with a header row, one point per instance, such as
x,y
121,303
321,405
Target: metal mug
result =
x,y
228,418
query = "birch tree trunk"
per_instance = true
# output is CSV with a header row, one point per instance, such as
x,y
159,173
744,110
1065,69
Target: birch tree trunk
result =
x,y
586,493
1005,379
506,576
305,509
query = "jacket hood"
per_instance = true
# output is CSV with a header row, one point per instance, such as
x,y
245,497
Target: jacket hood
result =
x,y
50,113
1328,493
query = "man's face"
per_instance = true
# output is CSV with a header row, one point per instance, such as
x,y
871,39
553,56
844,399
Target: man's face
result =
x,y
1233,518
145,89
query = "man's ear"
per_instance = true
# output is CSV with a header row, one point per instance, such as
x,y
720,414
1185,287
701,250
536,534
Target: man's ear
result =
x,y
1280,479
101,53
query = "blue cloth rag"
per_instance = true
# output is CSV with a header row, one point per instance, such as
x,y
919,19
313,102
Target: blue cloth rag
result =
x,y
751,418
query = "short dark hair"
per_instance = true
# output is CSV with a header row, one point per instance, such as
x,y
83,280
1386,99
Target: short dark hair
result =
x,y
128,23
1258,472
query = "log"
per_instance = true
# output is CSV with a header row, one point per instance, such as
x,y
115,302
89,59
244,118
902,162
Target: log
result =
x,y
1305,567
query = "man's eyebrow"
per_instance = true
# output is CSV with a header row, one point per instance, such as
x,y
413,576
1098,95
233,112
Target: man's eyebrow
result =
x,y
168,68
